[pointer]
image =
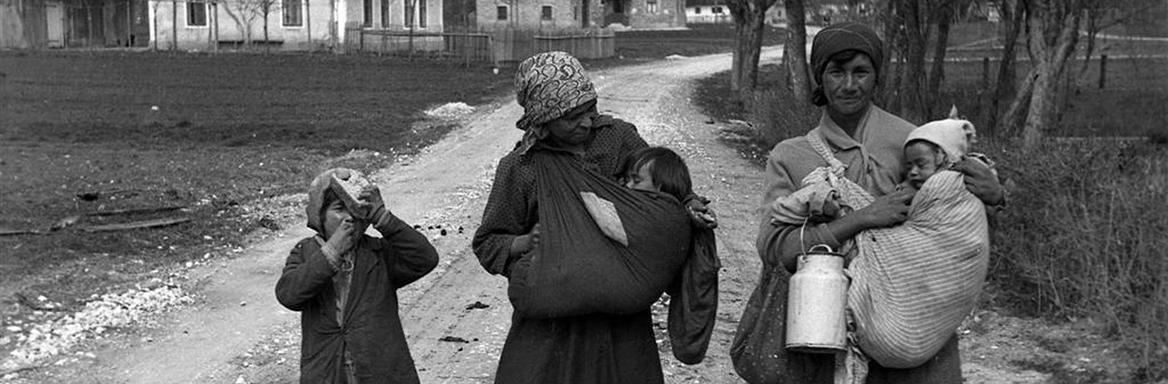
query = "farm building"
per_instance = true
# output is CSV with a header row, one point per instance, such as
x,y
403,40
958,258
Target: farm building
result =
x,y
73,23
208,24
290,24
563,14
717,12
707,12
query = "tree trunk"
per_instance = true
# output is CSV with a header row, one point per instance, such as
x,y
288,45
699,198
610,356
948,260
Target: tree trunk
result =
x,y
267,41
1015,114
795,51
749,20
912,101
937,73
1054,30
888,79
1014,14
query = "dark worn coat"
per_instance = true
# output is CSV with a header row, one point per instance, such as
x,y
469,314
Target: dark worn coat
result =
x,y
373,331
603,349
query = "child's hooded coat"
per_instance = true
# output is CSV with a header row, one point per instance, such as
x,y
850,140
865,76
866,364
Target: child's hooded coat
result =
x,y
372,330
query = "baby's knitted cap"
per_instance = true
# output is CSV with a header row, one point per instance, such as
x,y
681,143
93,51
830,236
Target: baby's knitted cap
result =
x,y
952,135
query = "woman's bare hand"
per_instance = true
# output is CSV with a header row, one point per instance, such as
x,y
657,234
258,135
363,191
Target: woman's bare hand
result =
x,y
887,210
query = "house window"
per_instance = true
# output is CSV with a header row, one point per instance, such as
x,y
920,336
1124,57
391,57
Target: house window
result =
x,y
651,5
421,13
501,12
545,12
367,21
697,10
408,12
414,9
293,14
384,13
717,9
197,14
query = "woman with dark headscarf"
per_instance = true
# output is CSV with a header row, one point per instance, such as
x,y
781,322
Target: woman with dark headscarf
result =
x,y
560,116
845,60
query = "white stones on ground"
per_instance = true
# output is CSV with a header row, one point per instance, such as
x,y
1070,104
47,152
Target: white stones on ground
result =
x,y
450,110
111,310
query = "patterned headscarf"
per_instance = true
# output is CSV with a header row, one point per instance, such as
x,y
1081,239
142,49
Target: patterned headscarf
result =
x,y
548,85
841,37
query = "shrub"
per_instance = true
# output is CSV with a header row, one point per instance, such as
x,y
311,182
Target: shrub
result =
x,y
1084,236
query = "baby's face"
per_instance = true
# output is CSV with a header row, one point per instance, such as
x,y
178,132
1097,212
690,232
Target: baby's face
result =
x,y
641,180
922,161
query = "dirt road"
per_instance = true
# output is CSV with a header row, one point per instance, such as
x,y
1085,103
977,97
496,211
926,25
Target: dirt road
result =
x,y
237,333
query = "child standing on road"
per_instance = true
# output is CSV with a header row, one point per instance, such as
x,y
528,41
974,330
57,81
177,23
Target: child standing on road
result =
x,y
344,283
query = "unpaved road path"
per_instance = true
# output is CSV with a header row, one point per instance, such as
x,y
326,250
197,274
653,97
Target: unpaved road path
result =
x,y
237,333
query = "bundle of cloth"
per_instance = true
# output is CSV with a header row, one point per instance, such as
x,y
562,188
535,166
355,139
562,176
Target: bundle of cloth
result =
x,y
911,284
577,268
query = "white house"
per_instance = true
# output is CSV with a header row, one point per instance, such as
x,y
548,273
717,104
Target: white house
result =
x,y
707,12
716,12
292,24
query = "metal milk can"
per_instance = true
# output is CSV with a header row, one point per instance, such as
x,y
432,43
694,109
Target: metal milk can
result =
x,y
816,301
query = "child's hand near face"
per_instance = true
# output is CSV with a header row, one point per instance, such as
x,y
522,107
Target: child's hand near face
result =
x,y
371,204
340,242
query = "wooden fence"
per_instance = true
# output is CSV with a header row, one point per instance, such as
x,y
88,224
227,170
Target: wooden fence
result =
x,y
498,45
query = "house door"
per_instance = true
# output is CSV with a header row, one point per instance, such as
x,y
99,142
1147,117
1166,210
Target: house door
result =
x,y
55,15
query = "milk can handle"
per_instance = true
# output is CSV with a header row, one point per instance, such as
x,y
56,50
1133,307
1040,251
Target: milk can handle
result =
x,y
803,258
817,246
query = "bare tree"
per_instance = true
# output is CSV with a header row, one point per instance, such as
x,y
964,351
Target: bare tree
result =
x,y
1097,14
911,15
1013,15
246,12
795,50
749,20
266,7
1053,31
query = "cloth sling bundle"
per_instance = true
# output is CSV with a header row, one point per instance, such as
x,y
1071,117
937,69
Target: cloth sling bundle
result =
x,y
914,283
576,269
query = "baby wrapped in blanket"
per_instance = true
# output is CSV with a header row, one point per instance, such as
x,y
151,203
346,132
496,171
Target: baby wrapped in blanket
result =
x,y
911,284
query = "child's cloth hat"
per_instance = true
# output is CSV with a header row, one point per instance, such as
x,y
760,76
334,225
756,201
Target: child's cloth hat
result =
x,y
954,136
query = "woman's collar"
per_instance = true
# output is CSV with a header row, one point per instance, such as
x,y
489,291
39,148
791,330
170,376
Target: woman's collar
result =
x,y
836,136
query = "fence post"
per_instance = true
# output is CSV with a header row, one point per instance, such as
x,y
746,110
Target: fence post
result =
x,y
1102,71
985,72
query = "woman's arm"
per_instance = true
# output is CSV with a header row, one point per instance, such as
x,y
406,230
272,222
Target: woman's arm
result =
x,y
780,244
505,218
306,273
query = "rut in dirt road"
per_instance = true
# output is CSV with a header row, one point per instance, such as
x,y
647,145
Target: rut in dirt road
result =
x,y
452,339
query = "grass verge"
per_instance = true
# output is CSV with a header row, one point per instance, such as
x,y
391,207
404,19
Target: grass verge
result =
x,y
220,136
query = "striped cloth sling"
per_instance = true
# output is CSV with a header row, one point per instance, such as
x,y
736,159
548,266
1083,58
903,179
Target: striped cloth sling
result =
x,y
914,283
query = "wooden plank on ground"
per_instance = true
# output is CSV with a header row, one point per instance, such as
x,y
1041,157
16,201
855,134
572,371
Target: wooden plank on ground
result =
x,y
132,211
137,224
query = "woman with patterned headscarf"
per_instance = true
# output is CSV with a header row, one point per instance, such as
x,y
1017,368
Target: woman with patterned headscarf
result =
x,y
867,141
560,116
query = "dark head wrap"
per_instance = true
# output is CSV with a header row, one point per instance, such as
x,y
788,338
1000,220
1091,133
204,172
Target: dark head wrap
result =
x,y
548,85
841,37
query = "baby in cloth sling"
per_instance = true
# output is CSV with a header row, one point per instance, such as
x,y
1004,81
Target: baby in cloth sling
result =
x,y
911,284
